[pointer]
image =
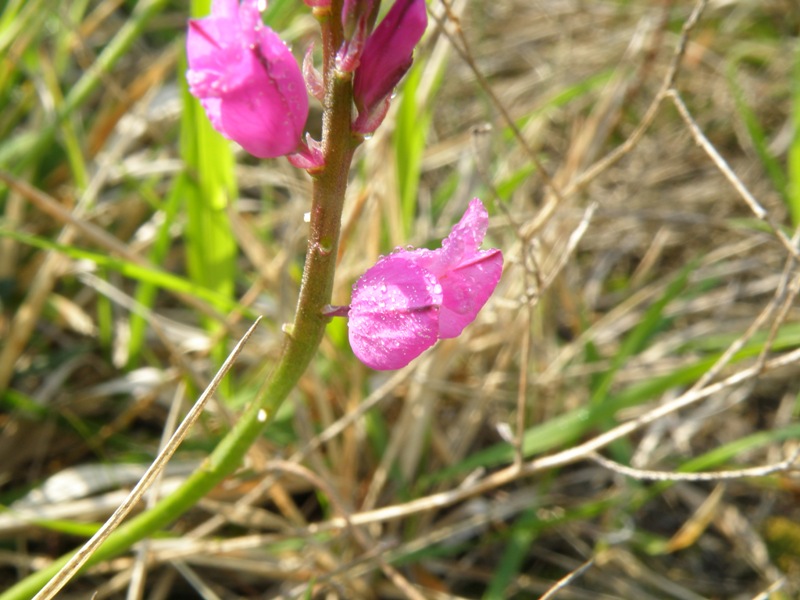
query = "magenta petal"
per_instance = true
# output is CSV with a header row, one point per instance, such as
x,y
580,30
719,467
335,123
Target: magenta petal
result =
x,y
463,242
368,122
228,8
247,79
468,275
394,313
388,52
216,59
409,299
466,289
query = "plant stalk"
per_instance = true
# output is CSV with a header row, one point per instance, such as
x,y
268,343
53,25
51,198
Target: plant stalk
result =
x,y
302,339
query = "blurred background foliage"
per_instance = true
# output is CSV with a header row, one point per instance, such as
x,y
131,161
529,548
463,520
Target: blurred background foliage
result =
x,y
136,246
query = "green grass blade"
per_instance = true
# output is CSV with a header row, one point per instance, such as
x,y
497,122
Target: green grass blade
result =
x,y
724,454
563,430
636,341
147,292
22,150
757,136
523,533
562,98
207,187
411,130
162,279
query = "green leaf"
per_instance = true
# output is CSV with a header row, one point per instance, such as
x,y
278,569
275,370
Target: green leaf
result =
x,y
157,277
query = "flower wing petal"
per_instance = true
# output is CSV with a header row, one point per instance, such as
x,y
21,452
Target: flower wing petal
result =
x,y
466,289
467,275
394,313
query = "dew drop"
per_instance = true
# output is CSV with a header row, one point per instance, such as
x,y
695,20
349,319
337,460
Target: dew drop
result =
x,y
437,289
367,136
384,289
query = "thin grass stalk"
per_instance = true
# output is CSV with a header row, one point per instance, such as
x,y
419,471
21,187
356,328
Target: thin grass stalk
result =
x,y
22,150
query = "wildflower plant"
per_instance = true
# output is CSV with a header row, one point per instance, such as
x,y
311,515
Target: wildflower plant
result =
x,y
648,329
255,93
250,86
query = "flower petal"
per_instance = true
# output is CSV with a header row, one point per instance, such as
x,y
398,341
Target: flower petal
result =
x,y
468,275
409,299
463,242
466,289
388,53
247,79
394,313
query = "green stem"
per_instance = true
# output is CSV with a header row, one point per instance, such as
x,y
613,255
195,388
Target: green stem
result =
x,y
300,345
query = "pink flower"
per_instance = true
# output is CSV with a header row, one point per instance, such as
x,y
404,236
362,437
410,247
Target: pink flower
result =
x,y
386,57
410,299
247,79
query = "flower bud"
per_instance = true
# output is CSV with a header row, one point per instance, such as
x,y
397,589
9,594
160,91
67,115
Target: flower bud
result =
x,y
386,57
